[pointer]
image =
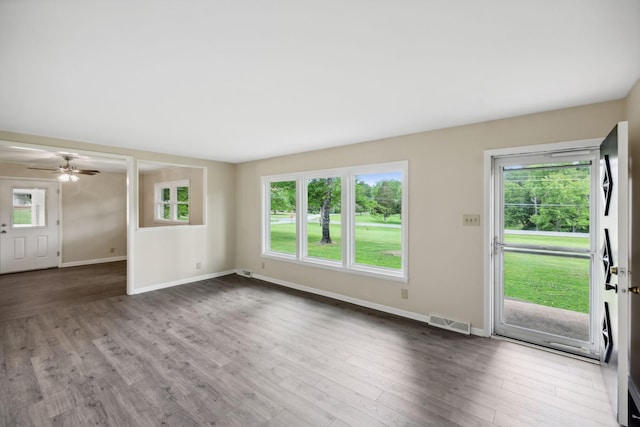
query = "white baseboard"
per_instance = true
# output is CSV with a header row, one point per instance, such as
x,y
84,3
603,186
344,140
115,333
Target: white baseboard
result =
x,y
93,261
181,282
479,332
363,303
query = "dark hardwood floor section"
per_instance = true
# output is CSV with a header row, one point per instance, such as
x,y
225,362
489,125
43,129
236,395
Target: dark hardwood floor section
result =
x,y
28,293
240,352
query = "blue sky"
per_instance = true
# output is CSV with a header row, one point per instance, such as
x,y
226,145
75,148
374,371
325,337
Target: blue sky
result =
x,y
372,178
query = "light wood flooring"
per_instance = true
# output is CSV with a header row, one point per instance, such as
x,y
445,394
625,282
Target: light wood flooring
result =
x,y
240,352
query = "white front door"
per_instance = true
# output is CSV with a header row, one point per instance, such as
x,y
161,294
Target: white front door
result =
x,y
614,238
29,224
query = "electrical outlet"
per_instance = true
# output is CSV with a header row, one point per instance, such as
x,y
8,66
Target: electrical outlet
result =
x,y
262,266
404,293
471,220
198,265
112,250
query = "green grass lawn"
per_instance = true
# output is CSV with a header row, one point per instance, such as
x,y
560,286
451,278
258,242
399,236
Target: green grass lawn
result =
x,y
22,216
366,218
376,246
552,281
283,238
330,251
379,246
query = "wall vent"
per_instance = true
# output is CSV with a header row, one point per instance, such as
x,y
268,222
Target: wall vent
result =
x,y
245,273
451,325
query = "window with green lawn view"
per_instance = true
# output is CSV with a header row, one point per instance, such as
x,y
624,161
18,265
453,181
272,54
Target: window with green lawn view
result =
x,y
172,201
324,228
29,207
347,218
378,240
282,216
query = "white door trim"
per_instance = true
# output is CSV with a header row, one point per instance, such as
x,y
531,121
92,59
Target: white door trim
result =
x,y
488,231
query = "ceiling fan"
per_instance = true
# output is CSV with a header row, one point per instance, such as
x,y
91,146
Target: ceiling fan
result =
x,y
68,172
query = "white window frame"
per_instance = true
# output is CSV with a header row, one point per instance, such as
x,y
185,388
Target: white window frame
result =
x,y
266,216
173,201
347,263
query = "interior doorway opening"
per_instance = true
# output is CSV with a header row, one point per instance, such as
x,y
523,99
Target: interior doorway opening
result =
x,y
94,209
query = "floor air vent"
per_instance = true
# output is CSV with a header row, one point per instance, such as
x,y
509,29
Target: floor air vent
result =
x,y
245,273
452,325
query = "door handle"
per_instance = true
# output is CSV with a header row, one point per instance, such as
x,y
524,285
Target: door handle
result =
x,y
608,287
634,290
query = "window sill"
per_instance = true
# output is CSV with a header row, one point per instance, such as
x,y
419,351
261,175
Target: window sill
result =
x,y
170,226
158,221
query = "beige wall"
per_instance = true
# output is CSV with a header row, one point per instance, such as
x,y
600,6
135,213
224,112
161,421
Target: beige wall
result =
x,y
93,213
146,187
445,181
633,116
168,255
94,217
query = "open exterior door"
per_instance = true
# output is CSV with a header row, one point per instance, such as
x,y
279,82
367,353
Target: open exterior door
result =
x,y
614,231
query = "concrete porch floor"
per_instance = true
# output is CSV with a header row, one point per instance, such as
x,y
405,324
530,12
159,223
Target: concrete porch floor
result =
x,y
551,320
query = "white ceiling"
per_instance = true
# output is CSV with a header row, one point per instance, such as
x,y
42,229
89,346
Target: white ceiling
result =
x,y
237,80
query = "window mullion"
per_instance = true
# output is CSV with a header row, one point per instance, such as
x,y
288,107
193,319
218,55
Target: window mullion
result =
x,y
301,217
174,202
348,208
266,220
404,220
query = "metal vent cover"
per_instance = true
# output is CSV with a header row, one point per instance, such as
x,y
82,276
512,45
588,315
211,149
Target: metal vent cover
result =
x,y
451,325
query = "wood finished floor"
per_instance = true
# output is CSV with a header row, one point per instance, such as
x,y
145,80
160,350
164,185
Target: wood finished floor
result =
x,y
239,352
25,294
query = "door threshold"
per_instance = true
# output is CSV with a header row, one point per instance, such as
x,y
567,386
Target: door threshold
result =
x,y
547,349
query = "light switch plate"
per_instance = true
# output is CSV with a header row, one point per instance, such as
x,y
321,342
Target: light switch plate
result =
x,y
471,220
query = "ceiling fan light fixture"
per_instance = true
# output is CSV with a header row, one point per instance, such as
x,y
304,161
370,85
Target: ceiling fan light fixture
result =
x,y
66,177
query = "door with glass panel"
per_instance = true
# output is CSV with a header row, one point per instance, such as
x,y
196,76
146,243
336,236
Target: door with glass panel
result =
x,y
28,225
544,246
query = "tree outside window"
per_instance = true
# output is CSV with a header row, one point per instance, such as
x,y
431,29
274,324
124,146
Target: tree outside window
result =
x,y
347,218
323,203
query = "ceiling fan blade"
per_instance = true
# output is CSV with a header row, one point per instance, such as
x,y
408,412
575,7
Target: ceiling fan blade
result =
x,y
45,169
87,171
